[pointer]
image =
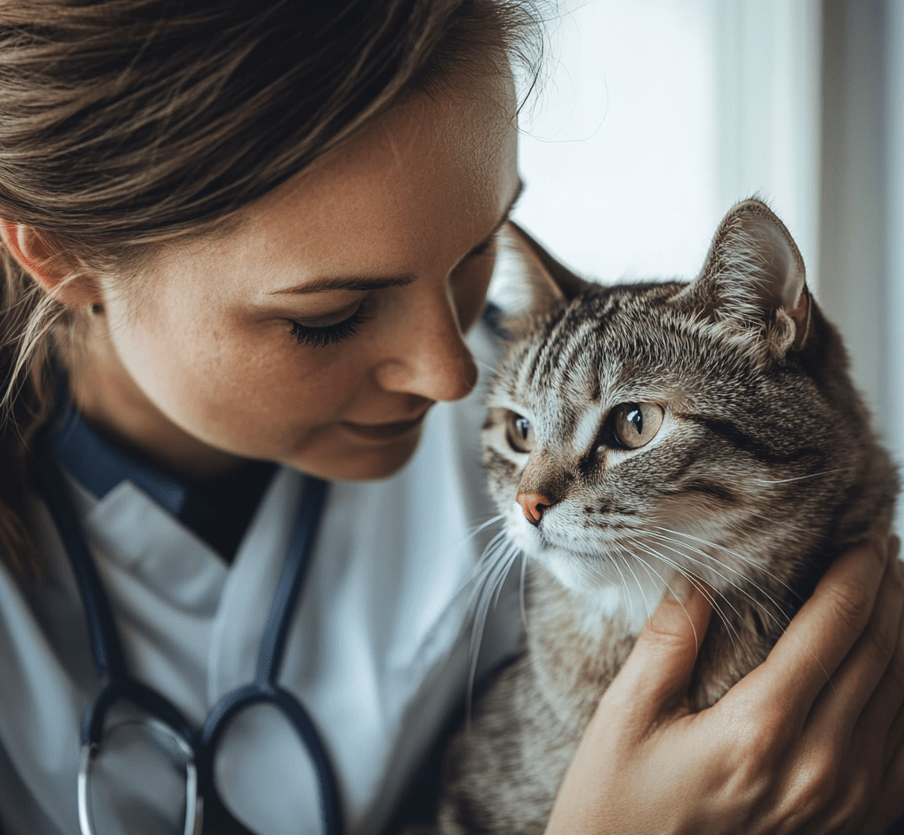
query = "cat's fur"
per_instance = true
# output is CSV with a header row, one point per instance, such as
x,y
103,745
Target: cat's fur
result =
x,y
764,469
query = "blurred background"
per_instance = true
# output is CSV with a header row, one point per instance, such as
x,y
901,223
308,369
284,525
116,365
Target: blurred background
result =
x,y
653,117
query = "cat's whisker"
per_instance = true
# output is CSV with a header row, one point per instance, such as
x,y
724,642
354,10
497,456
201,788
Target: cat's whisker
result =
x,y
487,562
749,579
684,545
649,568
491,563
488,594
737,554
771,481
712,566
677,565
597,570
483,526
650,572
640,589
711,597
778,623
738,586
623,586
508,553
482,365
488,555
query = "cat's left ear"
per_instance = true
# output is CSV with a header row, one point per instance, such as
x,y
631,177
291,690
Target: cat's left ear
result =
x,y
529,280
754,278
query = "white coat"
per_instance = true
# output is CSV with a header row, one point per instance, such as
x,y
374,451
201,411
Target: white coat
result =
x,y
377,652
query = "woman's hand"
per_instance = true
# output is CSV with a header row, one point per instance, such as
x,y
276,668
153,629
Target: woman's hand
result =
x,y
809,742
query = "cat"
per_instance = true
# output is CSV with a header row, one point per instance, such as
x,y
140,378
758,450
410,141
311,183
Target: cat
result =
x,y
709,428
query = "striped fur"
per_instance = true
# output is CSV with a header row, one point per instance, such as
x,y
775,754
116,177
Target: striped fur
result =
x,y
764,469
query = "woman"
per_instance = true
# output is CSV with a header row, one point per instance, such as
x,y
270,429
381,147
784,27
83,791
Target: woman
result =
x,y
246,243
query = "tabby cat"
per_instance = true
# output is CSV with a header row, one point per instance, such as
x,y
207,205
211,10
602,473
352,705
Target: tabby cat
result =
x,y
634,431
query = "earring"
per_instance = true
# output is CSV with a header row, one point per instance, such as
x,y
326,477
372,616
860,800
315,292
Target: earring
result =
x,y
96,309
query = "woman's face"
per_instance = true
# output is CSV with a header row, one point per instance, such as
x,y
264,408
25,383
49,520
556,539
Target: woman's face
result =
x,y
320,331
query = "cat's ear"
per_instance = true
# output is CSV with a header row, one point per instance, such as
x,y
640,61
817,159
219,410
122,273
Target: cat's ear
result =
x,y
532,282
754,278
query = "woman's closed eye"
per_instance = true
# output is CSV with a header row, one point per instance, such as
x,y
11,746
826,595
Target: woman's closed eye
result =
x,y
319,336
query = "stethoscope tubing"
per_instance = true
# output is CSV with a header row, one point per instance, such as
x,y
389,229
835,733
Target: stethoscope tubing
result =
x,y
198,748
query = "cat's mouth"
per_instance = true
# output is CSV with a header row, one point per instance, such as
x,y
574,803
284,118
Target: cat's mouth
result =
x,y
539,540
597,546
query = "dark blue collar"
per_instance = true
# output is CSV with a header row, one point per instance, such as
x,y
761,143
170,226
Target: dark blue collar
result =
x,y
99,467
217,510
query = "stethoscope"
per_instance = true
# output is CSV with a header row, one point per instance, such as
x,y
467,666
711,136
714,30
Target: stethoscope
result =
x,y
203,803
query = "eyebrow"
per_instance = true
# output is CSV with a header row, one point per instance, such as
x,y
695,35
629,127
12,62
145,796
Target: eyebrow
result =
x,y
361,283
365,283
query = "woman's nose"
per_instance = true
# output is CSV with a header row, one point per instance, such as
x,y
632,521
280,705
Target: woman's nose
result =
x,y
430,358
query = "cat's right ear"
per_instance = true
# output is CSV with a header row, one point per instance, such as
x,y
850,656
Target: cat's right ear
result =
x,y
530,282
754,281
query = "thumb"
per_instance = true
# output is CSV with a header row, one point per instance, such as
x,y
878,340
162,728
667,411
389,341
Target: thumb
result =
x,y
655,678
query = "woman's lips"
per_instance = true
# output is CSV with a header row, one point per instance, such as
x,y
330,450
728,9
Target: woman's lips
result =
x,y
383,431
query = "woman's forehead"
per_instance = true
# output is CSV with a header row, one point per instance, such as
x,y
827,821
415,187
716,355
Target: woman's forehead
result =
x,y
442,165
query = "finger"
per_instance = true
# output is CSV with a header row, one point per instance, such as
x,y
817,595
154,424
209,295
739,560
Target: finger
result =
x,y
880,726
861,680
654,679
822,633
888,809
894,738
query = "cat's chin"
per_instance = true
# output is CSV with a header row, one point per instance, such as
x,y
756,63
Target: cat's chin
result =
x,y
607,588
604,591
578,573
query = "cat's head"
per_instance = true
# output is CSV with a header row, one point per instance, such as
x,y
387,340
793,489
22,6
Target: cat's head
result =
x,y
640,428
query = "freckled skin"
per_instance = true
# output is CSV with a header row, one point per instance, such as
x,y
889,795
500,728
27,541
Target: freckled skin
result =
x,y
199,368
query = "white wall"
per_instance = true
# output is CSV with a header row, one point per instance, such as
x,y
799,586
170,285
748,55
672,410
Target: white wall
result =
x,y
617,147
658,115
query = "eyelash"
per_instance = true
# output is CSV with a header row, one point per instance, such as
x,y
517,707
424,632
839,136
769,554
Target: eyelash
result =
x,y
482,249
346,329
331,334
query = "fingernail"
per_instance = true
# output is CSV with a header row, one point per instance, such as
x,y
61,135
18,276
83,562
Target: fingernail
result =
x,y
679,588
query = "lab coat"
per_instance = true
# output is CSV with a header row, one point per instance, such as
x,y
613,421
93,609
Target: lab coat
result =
x,y
378,650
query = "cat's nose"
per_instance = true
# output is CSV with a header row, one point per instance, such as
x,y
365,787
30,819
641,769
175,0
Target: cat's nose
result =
x,y
533,505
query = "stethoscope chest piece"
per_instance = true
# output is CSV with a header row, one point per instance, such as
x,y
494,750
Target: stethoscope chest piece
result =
x,y
151,715
194,803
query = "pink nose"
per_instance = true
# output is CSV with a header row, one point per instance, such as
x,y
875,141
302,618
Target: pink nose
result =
x,y
533,505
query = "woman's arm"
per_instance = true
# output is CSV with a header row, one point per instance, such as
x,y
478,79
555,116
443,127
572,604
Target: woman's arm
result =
x,y
808,742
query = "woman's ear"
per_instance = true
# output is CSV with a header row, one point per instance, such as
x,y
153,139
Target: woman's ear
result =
x,y
40,256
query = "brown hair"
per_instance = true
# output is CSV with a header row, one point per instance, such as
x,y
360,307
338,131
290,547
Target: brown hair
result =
x,y
125,123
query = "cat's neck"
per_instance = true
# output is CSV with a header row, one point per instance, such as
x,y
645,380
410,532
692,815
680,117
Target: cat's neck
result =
x,y
579,640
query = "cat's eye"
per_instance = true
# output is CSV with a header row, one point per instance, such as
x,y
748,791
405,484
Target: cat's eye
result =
x,y
635,424
519,433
